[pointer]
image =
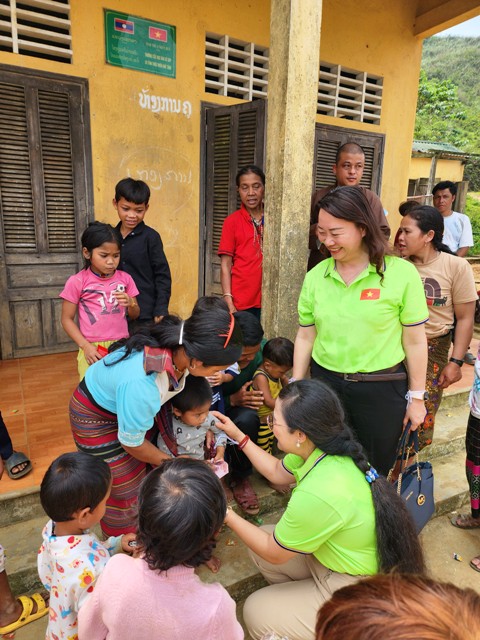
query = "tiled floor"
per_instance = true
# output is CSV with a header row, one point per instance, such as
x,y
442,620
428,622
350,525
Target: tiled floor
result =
x,y
34,397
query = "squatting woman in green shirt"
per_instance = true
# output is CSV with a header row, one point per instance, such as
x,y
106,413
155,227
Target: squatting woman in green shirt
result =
x,y
361,315
342,521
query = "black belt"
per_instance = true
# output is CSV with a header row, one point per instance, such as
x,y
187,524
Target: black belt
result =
x,y
383,375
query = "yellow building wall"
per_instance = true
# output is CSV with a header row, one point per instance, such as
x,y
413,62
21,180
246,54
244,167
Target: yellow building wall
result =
x,y
164,148
446,169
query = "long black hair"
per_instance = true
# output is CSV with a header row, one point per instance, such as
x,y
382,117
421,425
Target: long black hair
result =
x,y
209,335
316,410
351,204
181,508
430,219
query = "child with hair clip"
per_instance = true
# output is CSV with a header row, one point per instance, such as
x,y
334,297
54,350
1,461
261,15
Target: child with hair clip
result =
x,y
73,494
181,508
270,378
101,295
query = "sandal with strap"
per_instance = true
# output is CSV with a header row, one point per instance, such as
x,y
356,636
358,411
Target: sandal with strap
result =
x,y
464,521
28,603
15,460
246,497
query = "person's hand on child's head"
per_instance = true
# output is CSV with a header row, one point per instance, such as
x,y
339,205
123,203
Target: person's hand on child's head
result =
x,y
127,538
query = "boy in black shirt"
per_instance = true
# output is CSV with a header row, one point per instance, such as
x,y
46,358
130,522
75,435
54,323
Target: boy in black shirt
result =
x,y
142,254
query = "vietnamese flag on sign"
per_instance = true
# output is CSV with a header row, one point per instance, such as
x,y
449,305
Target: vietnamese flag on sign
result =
x,y
370,294
157,34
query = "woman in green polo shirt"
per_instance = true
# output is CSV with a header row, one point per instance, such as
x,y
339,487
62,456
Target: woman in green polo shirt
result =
x,y
343,521
361,314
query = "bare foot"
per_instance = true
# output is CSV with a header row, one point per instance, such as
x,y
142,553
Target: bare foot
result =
x,y
214,564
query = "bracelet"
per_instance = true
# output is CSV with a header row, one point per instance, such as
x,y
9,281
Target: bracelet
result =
x,y
243,443
416,395
224,295
456,361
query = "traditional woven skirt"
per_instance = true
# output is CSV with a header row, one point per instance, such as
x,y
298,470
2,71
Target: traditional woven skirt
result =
x,y
437,359
95,431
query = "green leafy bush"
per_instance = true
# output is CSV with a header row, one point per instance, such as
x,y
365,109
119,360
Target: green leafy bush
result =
x,y
472,209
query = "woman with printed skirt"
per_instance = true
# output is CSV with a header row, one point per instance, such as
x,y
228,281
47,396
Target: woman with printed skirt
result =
x,y
113,409
450,292
361,314
341,522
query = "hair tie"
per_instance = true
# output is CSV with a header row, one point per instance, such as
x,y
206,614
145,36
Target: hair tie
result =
x,y
180,339
371,475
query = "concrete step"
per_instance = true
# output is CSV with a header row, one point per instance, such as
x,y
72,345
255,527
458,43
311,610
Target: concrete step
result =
x,y
450,428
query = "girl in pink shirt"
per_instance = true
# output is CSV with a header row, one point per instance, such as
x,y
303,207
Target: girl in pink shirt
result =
x,y
181,509
100,295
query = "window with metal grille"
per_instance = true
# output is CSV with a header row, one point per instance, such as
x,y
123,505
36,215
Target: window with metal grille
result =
x,y
235,68
39,28
240,70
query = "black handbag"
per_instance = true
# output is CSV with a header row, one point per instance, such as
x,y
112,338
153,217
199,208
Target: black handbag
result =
x,y
415,482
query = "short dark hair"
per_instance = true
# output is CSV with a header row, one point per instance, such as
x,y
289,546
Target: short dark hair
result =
x,y
406,206
72,482
351,204
132,190
445,184
348,147
181,507
195,393
250,168
96,234
314,408
251,328
279,351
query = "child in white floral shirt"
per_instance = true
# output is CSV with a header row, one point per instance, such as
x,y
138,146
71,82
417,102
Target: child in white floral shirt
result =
x,y
73,493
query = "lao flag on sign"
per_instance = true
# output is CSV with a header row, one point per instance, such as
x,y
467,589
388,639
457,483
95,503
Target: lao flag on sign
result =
x,y
154,33
126,26
370,294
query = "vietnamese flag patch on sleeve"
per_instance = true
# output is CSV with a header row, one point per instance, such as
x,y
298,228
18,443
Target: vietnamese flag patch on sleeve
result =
x,y
370,294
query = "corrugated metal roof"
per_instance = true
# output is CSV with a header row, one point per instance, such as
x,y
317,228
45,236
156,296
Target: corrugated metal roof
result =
x,y
423,146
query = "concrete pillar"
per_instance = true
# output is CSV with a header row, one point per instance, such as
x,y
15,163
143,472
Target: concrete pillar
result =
x,y
292,99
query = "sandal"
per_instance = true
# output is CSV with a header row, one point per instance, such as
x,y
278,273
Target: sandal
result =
x,y
15,460
475,567
27,602
246,497
464,518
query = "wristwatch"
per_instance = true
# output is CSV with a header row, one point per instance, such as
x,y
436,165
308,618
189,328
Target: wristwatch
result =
x,y
456,361
416,395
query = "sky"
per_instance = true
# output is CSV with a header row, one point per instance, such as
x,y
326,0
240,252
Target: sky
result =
x,y
468,29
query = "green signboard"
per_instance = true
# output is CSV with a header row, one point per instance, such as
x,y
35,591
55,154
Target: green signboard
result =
x,y
144,45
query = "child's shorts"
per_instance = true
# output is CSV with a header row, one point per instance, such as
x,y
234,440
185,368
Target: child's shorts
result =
x,y
82,364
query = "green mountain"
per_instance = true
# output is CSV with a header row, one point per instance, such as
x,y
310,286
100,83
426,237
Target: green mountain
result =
x,y
448,108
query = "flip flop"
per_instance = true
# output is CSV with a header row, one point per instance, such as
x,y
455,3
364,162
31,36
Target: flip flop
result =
x,y
17,458
475,567
246,497
463,517
27,616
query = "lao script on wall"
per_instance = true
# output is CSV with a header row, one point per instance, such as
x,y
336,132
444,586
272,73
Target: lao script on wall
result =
x,y
158,104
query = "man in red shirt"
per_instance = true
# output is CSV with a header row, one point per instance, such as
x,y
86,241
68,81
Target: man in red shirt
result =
x,y
241,245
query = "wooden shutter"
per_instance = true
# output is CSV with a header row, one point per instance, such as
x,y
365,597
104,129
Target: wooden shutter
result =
x,y
327,141
235,137
45,204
